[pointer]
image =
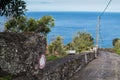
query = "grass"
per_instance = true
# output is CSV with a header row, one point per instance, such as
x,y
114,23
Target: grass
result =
x,y
117,51
113,50
53,57
6,78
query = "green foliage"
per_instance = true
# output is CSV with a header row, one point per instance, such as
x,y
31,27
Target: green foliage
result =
x,y
16,24
53,57
57,47
70,46
22,24
31,25
82,41
115,41
116,44
6,78
44,24
13,8
117,50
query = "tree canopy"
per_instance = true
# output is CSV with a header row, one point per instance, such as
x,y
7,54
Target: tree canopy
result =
x,y
81,41
115,41
57,46
116,44
13,8
22,24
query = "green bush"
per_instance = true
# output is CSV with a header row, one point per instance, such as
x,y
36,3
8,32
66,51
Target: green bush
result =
x,y
56,47
82,41
117,50
116,44
53,57
23,24
6,78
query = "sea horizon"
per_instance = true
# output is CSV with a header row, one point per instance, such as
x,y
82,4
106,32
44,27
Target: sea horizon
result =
x,y
77,11
68,23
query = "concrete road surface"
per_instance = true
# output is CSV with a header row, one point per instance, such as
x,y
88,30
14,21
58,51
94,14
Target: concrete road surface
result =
x,y
105,67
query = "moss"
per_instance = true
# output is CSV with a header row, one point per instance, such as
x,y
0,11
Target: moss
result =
x,y
53,57
117,50
6,78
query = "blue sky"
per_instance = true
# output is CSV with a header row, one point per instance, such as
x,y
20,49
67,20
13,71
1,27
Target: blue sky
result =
x,y
72,5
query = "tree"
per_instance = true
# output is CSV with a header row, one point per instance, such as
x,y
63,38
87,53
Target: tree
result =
x,y
116,44
115,41
44,24
12,8
81,41
16,24
69,46
22,24
57,46
31,25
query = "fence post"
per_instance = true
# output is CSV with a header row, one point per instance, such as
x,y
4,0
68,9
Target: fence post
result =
x,y
86,58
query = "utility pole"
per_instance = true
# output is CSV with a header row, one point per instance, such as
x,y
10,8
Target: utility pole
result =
x,y
97,33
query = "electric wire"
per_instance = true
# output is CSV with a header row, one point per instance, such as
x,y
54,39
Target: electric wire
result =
x,y
106,8
100,31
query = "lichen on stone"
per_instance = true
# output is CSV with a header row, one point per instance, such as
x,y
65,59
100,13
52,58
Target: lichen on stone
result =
x,y
19,52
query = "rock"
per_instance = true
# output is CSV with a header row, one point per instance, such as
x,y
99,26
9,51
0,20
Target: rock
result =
x,y
19,53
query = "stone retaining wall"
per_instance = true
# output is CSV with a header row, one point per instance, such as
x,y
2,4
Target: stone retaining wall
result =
x,y
65,68
19,53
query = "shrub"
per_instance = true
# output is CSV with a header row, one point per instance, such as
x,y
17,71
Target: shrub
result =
x,y
22,24
6,78
57,46
82,41
116,44
53,57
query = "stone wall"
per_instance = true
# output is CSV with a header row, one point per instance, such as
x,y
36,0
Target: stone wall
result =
x,y
19,53
65,68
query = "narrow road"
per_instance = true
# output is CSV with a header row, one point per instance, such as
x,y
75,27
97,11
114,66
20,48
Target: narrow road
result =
x,y
105,67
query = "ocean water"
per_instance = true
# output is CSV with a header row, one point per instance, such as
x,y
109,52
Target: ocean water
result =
x,y
68,23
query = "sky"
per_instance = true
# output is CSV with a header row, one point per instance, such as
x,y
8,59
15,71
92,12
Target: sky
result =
x,y
72,5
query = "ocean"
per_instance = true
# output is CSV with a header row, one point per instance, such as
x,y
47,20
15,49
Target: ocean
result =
x,y
68,23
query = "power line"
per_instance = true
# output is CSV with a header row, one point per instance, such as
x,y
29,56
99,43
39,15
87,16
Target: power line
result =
x,y
98,27
106,8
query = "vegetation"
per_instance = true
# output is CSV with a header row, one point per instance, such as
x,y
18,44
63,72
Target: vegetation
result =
x,y
116,44
6,78
82,41
115,41
12,8
22,24
56,47
53,57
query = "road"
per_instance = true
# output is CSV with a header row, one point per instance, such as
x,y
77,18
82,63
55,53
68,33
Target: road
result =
x,y
105,67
